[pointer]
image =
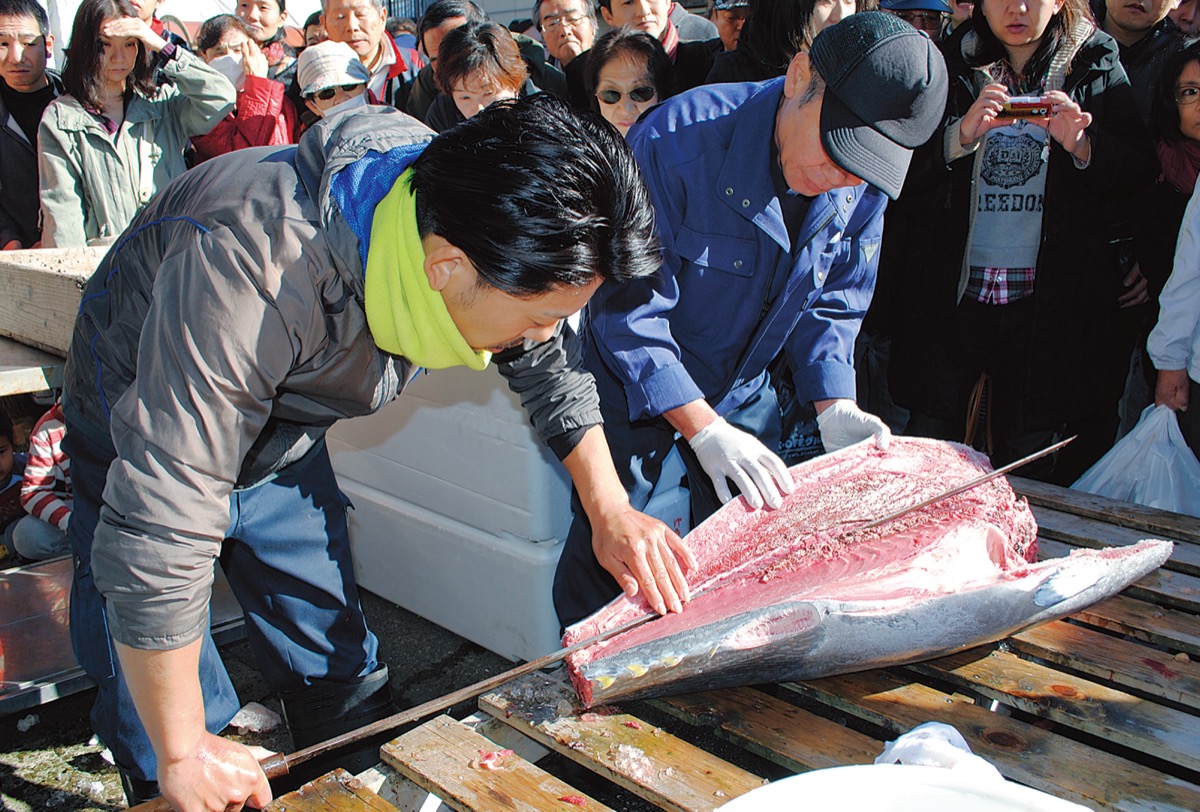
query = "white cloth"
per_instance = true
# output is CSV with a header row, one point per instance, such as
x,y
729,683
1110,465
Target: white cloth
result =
x,y
1174,342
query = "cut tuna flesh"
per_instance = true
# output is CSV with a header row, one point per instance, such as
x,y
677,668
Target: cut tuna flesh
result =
x,y
796,593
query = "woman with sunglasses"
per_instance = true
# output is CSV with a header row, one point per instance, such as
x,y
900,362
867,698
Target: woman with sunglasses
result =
x,y
117,137
1015,279
332,79
627,73
264,116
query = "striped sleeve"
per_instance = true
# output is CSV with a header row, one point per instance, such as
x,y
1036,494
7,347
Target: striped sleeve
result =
x,y
46,489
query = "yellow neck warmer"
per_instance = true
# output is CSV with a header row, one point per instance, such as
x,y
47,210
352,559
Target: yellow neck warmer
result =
x,y
406,316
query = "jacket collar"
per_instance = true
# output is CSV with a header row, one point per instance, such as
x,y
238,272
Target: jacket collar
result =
x,y
744,184
72,117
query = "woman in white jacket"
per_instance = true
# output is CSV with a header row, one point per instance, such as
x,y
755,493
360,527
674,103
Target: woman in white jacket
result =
x,y
1174,343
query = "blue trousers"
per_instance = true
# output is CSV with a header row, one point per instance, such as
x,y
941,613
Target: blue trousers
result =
x,y
287,559
581,585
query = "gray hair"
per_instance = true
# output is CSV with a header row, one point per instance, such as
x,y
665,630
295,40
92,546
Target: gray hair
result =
x,y
588,7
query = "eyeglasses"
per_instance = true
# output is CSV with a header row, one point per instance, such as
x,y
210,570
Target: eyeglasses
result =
x,y
329,92
925,20
639,94
557,21
1186,95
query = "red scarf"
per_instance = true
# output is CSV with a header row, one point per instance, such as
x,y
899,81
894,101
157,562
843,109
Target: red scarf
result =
x,y
1180,162
670,40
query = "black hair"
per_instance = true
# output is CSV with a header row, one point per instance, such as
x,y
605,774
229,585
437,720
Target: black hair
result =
x,y
777,30
1165,112
991,50
81,73
27,8
538,196
6,426
214,28
443,10
487,50
313,19
638,44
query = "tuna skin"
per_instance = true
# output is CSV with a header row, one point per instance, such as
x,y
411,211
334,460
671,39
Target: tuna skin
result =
x,y
794,593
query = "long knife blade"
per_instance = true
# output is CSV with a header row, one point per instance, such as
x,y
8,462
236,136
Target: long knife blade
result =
x,y
966,486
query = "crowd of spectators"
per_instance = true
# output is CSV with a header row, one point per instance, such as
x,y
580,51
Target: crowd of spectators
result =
x,y
1021,267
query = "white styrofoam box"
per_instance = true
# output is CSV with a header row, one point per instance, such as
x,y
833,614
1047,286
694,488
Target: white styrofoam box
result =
x,y
493,590
670,501
459,443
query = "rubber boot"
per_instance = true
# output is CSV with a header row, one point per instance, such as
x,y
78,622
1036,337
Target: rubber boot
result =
x,y
326,709
137,791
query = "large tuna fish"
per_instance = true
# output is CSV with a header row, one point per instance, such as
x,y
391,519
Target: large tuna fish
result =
x,y
795,593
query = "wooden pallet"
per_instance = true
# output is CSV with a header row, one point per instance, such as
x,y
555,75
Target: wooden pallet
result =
x,y
1102,709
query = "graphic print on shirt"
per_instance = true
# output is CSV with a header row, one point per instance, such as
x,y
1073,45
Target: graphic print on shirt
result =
x,y
1011,159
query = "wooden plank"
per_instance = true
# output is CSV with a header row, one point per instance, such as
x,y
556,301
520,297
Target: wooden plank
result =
x,y
773,729
444,757
1162,586
40,291
337,791
1116,716
1113,660
25,369
1126,514
1021,751
636,755
1083,532
1170,628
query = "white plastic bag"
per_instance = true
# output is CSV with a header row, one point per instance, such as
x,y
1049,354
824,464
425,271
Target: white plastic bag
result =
x,y
1151,465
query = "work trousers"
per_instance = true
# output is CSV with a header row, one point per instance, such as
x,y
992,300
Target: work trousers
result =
x,y
581,585
287,559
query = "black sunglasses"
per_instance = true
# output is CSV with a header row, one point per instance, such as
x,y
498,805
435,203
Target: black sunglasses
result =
x,y
329,92
639,94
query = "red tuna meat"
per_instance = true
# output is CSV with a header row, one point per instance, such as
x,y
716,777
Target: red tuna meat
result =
x,y
796,593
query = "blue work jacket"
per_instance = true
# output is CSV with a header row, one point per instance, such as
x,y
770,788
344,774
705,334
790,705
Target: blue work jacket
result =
x,y
705,326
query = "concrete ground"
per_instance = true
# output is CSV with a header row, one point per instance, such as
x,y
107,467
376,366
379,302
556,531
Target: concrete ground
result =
x,y
49,758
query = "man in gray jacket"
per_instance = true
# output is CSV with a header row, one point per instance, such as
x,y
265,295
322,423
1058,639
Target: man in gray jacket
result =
x,y
251,304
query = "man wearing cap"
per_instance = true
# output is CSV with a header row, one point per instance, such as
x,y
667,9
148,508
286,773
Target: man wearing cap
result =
x,y
332,79
769,200
927,16
728,16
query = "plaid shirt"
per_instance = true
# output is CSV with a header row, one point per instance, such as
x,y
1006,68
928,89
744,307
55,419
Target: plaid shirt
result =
x,y
1000,285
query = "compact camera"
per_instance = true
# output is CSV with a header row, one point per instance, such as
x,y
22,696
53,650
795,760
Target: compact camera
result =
x,y
1025,107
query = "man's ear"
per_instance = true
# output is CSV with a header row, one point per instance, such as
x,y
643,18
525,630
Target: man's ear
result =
x,y
49,45
443,262
799,74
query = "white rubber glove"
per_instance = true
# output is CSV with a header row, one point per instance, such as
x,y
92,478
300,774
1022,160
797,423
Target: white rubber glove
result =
x,y
843,423
726,453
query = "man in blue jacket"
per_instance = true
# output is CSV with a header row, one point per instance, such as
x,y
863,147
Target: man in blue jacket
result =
x,y
769,200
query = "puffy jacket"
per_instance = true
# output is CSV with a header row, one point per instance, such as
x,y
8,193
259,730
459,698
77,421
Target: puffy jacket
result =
x,y
92,184
253,342
1078,280
264,117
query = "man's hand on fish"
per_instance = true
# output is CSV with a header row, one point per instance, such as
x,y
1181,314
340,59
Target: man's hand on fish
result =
x,y
727,453
842,423
644,555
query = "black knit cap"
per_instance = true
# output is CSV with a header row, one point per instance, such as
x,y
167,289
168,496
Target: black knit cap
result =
x,y
885,93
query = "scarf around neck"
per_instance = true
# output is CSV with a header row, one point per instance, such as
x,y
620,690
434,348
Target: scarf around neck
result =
x,y
1180,162
405,315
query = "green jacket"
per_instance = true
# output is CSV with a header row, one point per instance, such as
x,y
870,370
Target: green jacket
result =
x,y
92,184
